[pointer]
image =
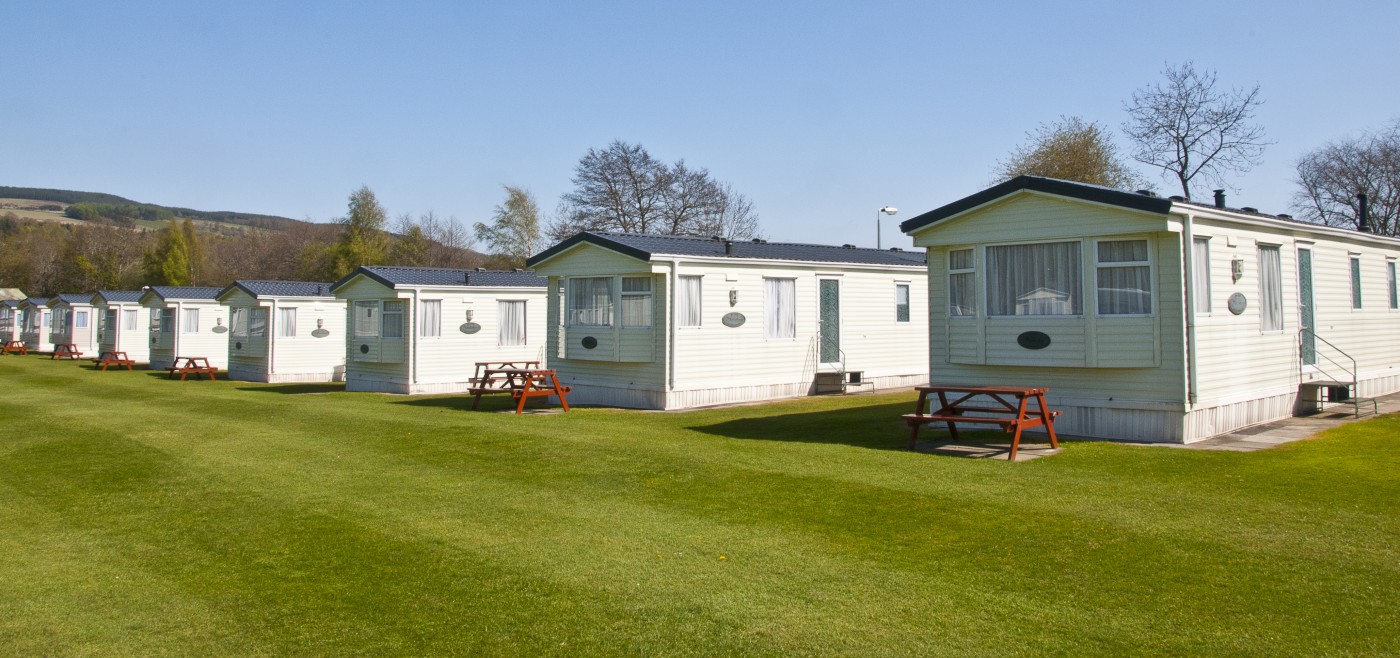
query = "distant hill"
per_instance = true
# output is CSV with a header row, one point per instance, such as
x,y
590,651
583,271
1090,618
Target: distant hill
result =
x,y
110,204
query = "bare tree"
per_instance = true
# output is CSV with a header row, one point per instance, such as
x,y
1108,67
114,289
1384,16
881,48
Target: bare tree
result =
x,y
1187,128
1070,149
451,242
732,217
1330,177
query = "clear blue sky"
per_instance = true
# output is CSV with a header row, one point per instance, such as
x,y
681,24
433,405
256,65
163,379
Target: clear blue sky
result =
x,y
819,112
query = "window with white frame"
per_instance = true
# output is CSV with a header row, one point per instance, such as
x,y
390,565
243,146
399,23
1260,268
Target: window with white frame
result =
x,y
1124,277
238,322
48,320
430,318
287,322
366,318
189,321
511,327
1390,281
1270,289
257,322
1356,281
636,301
129,319
393,319
779,308
80,319
590,302
962,283
901,302
688,301
1200,261
1034,279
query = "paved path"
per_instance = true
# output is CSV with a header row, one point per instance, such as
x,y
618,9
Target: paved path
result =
x,y
1249,439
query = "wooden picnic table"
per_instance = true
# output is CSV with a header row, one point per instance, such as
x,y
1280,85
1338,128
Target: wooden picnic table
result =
x,y
191,365
106,359
66,351
522,379
14,347
1007,406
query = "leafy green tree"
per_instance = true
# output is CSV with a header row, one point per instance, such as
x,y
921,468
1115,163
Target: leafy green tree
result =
x,y
1070,149
363,241
412,246
169,263
514,233
194,252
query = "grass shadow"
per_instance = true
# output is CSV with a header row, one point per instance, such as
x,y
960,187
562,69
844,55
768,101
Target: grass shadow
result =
x,y
489,403
878,427
309,388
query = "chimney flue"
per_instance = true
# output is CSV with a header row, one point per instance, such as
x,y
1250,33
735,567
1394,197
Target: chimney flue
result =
x,y
1363,220
728,246
1220,198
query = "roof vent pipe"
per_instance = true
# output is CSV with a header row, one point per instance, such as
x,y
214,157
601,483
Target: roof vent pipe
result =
x,y
1363,220
1220,198
728,247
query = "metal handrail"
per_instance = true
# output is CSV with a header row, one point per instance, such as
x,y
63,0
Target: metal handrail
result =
x,y
1351,372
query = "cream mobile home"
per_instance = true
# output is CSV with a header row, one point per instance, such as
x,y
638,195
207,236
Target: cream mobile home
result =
x,y
74,323
284,331
36,322
664,322
124,324
422,330
9,320
186,321
1155,319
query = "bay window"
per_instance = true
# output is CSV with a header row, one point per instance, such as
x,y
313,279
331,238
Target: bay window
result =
x,y
1124,278
1034,279
636,301
590,302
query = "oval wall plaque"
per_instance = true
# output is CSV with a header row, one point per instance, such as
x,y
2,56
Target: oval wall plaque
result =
x,y
218,329
589,342
320,333
734,319
1033,340
469,328
1237,303
364,349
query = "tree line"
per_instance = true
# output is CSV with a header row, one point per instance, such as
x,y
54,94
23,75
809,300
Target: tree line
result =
x,y
1189,128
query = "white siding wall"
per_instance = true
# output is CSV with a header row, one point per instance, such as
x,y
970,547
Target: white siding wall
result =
x,y
300,358
136,343
85,338
37,340
206,342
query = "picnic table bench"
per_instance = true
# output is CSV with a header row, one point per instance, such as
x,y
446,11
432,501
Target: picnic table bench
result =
x,y
106,359
14,347
1006,406
522,379
66,351
191,365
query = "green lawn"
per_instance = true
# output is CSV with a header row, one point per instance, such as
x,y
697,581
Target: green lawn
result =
x,y
146,517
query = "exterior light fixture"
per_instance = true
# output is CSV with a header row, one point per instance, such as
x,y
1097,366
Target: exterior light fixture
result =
x,y
887,210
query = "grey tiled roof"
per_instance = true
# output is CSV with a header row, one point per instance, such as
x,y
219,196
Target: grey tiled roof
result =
x,y
282,288
36,301
186,292
119,295
71,298
12,303
435,276
645,246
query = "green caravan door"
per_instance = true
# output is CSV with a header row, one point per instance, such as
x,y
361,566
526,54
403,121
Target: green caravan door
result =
x,y
1305,307
830,322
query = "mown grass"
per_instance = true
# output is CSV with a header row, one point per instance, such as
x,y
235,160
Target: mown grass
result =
x,y
140,516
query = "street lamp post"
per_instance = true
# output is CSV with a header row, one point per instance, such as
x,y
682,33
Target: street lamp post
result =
x,y
887,210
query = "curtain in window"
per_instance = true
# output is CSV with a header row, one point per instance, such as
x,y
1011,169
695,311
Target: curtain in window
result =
x,y
1034,279
257,322
636,301
129,319
1270,290
167,320
590,302
393,319
901,302
962,283
511,330
366,318
1126,288
189,321
688,309
1200,254
430,318
287,322
80,319
779,308
238,321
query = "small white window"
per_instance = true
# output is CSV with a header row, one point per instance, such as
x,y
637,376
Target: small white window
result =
x,y
80,319
257,322
238,322
511,330
393,320
1270,289
901,302
48,320
1200,255
636,301
366,318
1124,278
129,319
590,302
1390,279
1356,282
430,318
779,309
688,297
962,283
189,321
287,322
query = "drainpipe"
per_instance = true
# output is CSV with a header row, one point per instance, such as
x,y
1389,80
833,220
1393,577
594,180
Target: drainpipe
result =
x,y
1188,253
271,340
671,327
410,339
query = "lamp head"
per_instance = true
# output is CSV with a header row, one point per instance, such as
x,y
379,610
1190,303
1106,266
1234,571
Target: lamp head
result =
x,y
890,210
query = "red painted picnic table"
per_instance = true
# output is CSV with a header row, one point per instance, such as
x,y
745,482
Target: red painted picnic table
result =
x,y
191,365
14,347
1007,406
522,379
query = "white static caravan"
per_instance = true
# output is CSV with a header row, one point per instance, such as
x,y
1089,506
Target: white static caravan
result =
x,y
1180,321
9,320
36,322
124,325
74,322
663,322
422,330
284,331
186,321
